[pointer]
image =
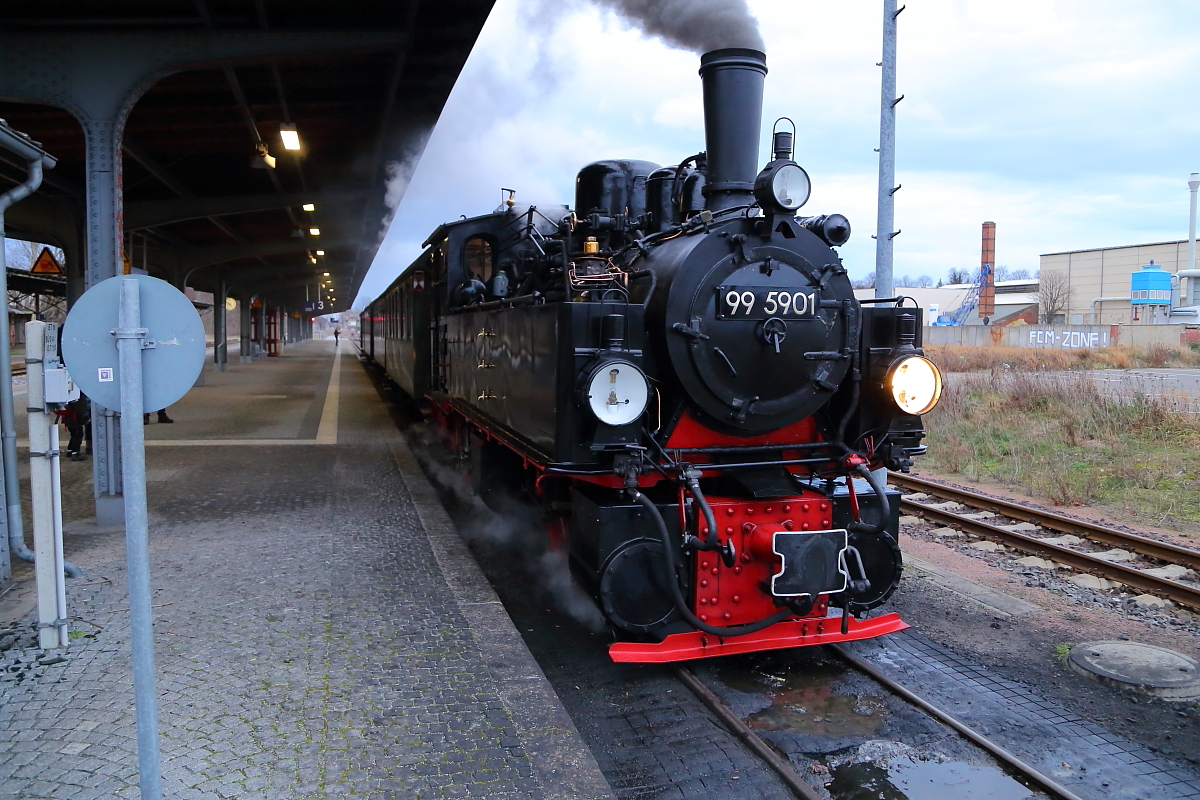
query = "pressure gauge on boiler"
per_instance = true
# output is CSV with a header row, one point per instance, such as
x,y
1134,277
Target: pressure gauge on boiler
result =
x,y
783,186
617,393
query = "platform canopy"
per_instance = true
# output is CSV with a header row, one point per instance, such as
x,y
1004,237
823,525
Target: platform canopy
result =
x,y
361,83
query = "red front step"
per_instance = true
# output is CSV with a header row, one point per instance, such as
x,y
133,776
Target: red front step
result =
x,y
782,635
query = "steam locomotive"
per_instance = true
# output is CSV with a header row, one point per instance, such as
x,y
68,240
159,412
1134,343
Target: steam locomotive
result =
x,y
677,373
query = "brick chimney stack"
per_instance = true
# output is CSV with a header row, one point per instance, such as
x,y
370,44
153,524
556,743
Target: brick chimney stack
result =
x,y
987,264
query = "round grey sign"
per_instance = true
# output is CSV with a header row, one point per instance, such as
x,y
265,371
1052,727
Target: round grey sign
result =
x,y
171,358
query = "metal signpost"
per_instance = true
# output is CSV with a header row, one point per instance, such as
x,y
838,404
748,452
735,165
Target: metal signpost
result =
x,y
136,343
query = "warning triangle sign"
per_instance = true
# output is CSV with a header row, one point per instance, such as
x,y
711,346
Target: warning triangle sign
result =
x,y
46,264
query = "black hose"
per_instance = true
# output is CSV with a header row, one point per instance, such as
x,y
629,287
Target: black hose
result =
x,y
885,508
710,541
670,574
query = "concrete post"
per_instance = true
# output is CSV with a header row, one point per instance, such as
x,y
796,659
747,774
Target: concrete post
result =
x,y
887,156
52,624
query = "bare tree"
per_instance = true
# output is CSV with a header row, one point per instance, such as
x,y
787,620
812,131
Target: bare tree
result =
x,y
1021,274
865,282
20,254
1054,296
957,275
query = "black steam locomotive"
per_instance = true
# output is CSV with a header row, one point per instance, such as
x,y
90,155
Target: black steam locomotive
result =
x,y
678,374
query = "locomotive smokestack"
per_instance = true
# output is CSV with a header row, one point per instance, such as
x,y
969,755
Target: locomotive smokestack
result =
x,y
733,92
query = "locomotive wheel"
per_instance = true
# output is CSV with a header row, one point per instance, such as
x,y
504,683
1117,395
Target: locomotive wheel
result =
x,y
631,590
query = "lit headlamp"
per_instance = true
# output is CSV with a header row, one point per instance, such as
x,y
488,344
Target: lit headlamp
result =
x,y
915,384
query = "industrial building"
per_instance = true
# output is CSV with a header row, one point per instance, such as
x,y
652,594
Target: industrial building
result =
x,y
1101,284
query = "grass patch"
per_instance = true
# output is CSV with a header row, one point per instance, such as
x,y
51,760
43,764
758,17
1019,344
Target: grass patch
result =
x,y
1062,650
1062,438
954,358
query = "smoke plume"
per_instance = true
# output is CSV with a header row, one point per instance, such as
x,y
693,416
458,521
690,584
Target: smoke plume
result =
x,y
696,25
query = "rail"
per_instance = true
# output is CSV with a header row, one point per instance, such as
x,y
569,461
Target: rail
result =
x,y
797,784
1026,542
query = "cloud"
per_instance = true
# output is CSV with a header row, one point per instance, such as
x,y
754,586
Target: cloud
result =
x,y
1068,122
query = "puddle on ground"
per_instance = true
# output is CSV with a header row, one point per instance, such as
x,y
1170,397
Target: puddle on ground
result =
x,y
909,778
805,702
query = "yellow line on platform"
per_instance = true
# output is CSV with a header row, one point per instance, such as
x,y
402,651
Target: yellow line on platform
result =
x,y
327,429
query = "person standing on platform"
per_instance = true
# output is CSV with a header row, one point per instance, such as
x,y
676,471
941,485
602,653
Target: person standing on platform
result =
x,y
162,417
336,334
77,416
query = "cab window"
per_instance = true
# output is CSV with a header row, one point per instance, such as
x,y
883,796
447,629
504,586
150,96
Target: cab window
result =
x,y
477,255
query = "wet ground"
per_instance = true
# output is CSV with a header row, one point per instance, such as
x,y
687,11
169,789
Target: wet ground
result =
x,y
864,741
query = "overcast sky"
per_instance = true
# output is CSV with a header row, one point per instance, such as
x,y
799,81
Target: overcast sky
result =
x,y
1071,124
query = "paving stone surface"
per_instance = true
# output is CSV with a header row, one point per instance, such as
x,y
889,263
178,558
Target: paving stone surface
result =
x,y
315,637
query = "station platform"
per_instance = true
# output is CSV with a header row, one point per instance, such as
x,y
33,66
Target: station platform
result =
x,y
321,629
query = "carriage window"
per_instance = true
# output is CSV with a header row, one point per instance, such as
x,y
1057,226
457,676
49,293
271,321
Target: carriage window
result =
x,y
478,257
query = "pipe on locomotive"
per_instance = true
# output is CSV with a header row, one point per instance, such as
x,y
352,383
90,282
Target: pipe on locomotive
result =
x,y
733,94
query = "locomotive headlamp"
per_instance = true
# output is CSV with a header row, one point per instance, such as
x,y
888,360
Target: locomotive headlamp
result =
x,y
916,384
782,186
617,393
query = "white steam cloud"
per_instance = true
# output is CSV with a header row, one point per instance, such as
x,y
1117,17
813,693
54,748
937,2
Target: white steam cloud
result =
x,y
517,530
696,25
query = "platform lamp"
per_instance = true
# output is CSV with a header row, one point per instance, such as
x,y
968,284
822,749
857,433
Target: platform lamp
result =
x,y
289,135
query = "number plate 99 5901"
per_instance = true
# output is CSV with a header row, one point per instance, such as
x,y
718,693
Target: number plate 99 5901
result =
x,y
762,302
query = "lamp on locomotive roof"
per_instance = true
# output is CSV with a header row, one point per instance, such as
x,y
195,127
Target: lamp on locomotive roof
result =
x,y
262,159
289,135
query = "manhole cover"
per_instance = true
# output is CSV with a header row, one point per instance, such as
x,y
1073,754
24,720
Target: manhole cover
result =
x,y
1141,667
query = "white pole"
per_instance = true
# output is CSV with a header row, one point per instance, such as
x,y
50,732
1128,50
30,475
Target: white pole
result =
x,y
1193,283
64,632
41,485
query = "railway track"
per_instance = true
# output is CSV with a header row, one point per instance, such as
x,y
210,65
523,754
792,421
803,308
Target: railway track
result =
x,y
801,789
1062,548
